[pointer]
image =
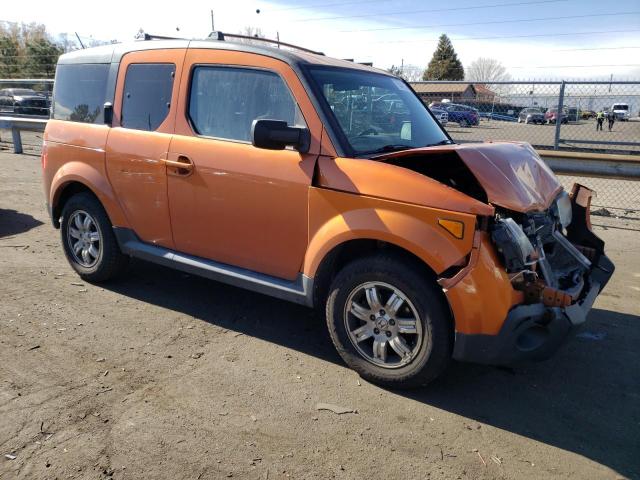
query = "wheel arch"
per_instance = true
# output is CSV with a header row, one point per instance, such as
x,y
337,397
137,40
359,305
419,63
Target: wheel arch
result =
x,y
76,177
347,251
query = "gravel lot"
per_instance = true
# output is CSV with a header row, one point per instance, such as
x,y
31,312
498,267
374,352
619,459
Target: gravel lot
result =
x,y
168,376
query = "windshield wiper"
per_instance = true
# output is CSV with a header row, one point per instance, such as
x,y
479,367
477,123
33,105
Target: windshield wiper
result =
x,y
397,147
446,141
394,147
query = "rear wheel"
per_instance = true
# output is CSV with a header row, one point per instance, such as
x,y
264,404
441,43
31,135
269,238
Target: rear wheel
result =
x,y
88,240
388,322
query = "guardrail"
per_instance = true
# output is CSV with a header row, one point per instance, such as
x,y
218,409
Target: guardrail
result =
x,y
18,124
624,167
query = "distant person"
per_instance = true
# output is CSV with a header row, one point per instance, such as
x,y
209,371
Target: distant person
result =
x,y
612,120
599,120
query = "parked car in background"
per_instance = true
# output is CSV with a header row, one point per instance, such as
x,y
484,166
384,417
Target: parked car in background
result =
x,y
463,115
531,115
587,114
440,114
552,116
23,101
621,111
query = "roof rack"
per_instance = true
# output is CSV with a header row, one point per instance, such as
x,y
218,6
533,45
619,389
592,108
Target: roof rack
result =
x,y
149,36
222,37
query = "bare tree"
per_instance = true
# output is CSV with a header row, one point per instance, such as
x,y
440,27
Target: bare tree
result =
x,y
411,73
486,70
250,32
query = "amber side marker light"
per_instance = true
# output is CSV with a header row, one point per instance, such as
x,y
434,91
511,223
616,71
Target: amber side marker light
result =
x,y
454,227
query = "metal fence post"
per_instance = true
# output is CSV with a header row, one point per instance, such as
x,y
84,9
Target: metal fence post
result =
x,y
17,140
559,116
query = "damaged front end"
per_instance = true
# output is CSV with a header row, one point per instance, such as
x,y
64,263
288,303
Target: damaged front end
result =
x,y
557,264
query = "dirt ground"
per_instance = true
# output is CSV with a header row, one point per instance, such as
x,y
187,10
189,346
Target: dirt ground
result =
x,y
168,376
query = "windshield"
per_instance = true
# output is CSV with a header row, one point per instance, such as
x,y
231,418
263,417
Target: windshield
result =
x,y
621,107
376,112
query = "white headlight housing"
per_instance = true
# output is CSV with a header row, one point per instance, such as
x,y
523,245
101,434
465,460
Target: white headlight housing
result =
x,y
564,207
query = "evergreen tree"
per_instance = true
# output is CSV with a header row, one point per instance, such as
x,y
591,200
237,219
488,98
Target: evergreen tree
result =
x,y
444,64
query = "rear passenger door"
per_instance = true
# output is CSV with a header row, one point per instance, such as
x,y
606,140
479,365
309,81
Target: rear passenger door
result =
x,y
238,204
137,146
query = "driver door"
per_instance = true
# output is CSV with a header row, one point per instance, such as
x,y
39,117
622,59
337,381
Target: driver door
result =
x,y
237,204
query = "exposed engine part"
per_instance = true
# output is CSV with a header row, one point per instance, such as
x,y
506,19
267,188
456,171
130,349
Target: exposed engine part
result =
x,y
545,265
516,249
571,250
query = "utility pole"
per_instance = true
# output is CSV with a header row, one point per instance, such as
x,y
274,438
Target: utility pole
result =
x,y
610,80
213,28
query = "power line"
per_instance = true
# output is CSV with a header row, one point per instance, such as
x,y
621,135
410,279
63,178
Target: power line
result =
x,y
594,48
429,10
536,35
519,20
574,66
323,5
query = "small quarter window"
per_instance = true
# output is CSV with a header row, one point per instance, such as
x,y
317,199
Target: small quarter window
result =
x,y
225,101
79,92
147,95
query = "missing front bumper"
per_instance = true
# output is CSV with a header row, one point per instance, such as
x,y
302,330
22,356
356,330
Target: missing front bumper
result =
x,y
534,332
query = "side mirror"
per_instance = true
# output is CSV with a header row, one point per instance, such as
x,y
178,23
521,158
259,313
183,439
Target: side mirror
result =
x,y
108,113
276,135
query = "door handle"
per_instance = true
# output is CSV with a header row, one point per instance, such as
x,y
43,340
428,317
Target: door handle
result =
x,y
183,165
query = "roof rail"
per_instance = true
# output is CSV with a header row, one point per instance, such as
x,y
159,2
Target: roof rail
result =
x,y
149,36
222,36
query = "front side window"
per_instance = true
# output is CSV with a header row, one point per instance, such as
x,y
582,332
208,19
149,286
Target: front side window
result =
x,y
147,95
376,112
224,101
79,92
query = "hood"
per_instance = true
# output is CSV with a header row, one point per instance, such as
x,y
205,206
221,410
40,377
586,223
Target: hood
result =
x,y
512,175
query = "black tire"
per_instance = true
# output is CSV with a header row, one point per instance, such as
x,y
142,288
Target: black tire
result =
x,y
463,122
110,262
434,352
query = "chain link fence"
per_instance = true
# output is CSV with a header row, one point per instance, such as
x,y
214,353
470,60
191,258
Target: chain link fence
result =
x,y
598,117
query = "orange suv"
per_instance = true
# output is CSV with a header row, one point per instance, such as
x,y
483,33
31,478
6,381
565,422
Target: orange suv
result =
x,y
321,182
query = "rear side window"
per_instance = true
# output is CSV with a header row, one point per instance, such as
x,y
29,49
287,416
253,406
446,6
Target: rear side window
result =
x,y
79,92
147,95
224,101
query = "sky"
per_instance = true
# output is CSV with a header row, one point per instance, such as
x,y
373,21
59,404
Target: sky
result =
x,y
533,39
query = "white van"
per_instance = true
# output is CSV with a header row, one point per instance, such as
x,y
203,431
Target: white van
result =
x,y
621,111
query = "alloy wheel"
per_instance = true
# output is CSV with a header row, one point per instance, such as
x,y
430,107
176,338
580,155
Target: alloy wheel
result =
x,y
383,325
84,238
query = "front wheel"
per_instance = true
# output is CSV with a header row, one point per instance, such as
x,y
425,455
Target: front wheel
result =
x,y
388,322
88,239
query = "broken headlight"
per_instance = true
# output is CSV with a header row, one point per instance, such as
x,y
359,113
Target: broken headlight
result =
x,y
513,244
564,209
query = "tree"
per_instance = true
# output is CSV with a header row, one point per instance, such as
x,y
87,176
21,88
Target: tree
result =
x,y
486,70
26,51
250,32
41,58
411,73
444,64
10,63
